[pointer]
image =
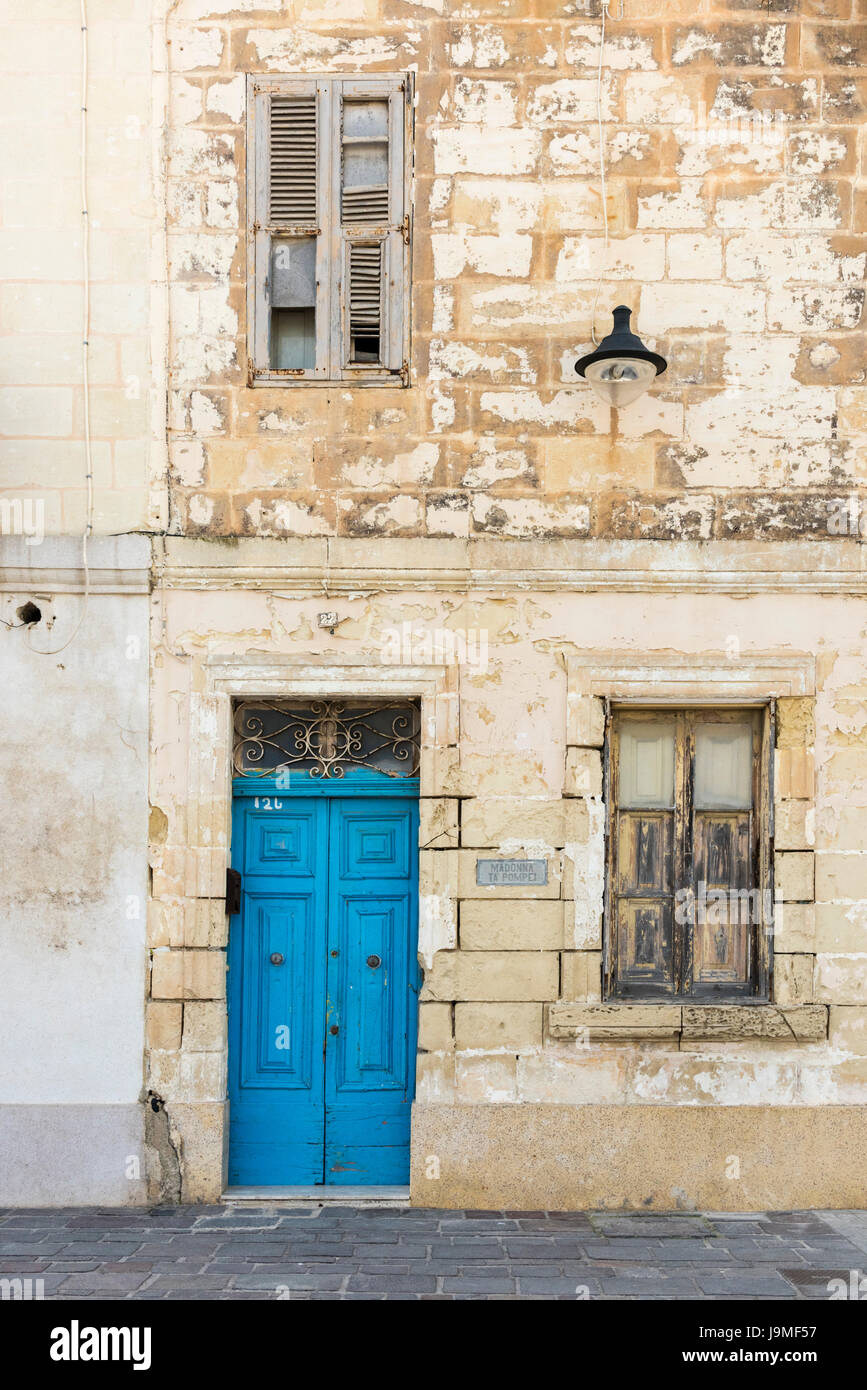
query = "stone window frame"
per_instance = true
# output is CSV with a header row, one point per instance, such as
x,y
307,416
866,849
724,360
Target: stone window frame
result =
x,y
187,923
668,679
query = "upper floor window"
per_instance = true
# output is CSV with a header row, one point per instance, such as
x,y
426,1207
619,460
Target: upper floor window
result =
x,y
689,895
328,229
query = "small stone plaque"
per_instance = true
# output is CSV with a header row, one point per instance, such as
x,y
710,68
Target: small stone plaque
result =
x,y
512,873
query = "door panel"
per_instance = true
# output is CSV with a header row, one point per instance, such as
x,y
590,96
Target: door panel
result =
x,y
645,943
373,985
370,1052
329,890
373,842
726,907
277,1013
644,853
277,1010
281,845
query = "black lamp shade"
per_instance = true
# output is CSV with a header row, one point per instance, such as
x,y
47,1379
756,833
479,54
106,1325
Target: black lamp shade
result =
x,y
621,368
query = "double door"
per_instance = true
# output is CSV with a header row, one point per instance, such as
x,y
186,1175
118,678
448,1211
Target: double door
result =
x,y
323,987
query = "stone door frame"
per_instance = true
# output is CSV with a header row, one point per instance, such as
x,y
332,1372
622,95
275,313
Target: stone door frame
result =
x,y
187,1047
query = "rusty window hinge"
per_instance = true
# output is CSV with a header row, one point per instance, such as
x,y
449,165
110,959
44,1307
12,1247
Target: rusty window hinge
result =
x,y
404,227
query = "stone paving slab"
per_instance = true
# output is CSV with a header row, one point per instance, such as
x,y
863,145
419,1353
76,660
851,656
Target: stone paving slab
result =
x,y
346,1253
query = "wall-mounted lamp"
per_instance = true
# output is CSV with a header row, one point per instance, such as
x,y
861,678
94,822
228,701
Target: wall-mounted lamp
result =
x,y
621,368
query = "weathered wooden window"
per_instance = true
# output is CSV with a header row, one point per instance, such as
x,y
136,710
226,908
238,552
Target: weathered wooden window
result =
x,y
689,901
328,229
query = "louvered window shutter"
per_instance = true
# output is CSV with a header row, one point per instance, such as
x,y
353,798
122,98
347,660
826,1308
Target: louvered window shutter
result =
x,y
327,243
369,189
292,172
288,196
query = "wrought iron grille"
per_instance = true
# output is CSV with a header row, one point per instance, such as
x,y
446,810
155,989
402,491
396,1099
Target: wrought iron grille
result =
x,y
325,737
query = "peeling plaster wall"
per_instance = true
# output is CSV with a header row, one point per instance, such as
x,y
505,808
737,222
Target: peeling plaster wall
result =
x,y
73,777
735,147
734,140
496,960
734,136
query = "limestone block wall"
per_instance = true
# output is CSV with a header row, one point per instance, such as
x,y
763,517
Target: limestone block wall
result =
x,y
42,403
672,549
512,1009
493,1028
735,150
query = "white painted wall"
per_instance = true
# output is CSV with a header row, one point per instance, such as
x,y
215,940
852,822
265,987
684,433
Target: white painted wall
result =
x,y
73,892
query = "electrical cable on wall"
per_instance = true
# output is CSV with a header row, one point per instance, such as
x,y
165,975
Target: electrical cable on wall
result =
x,y
606,14
85,345
620,368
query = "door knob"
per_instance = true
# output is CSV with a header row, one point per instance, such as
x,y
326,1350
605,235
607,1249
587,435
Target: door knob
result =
x,y
276,958
334,1028
374,962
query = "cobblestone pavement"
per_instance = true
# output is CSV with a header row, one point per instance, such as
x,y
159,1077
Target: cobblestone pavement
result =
x,y
333,1252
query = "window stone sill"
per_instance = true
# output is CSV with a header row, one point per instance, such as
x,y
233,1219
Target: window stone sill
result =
x,y
688,1022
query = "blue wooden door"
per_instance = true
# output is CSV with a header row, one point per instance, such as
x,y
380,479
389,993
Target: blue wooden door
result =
x,y
323,985
371,963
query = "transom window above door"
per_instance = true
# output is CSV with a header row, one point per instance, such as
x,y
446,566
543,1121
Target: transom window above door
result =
x,y
326,738
689,904
328,229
